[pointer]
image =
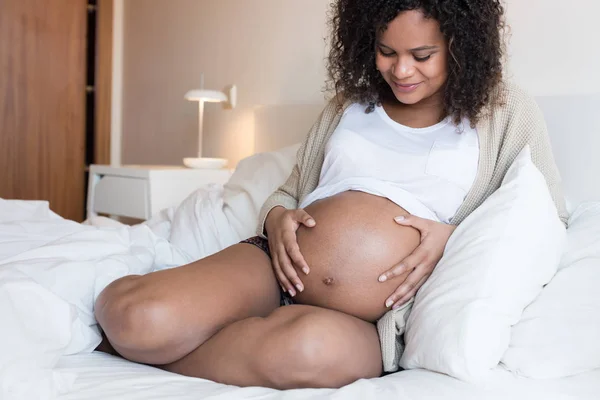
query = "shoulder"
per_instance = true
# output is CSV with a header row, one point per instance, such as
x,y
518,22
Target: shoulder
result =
x,y
511,100
337,105
511,109
323,127
334,110
511,91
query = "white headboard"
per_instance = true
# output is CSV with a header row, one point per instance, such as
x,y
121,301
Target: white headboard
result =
x,y
574,127
573,123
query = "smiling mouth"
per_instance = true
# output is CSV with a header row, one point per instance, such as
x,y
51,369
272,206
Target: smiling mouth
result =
x,y
406,88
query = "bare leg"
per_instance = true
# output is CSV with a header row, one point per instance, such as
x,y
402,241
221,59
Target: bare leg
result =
x,y
161,317
295,347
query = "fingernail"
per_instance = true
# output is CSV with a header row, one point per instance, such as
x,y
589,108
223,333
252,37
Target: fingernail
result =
x,y
382,278
399,219
311,222
305,270
300,288
389,303
292,292
397,306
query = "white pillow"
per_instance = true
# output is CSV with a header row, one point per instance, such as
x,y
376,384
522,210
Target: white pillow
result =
x,y
495,264
559,334
254,180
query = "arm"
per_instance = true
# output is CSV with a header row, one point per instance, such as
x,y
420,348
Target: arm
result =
x,y
543,158
286,196
280,218
524,124
305,174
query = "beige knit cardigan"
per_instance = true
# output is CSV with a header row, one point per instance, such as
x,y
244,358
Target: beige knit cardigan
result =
x,y
504,129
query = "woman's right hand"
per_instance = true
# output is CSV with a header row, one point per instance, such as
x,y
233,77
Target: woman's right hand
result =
x,y
281,225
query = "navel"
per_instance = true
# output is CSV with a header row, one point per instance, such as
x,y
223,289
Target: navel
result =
x,y
328,281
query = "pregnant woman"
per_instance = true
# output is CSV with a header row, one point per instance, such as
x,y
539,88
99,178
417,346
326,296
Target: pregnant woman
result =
x,y
421,132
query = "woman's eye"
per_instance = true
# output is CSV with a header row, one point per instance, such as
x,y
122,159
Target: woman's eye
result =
x,y
386,54
422,59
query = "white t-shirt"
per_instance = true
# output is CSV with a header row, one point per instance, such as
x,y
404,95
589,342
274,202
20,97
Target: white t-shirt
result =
x,y
426,171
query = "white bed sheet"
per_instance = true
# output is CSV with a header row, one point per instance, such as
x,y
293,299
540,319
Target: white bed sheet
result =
x,y
36,247
104,377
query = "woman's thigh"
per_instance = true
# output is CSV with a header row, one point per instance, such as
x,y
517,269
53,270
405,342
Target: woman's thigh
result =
x,y
161,317
296,346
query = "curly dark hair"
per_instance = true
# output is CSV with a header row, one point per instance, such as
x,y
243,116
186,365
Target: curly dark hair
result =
x,y
474,31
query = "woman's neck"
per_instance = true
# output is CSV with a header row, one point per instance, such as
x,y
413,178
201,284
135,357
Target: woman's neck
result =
x,y
421,115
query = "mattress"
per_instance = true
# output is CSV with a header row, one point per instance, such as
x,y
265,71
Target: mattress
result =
x,y
104,377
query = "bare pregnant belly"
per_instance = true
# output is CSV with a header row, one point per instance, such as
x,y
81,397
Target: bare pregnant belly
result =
x,y
354,242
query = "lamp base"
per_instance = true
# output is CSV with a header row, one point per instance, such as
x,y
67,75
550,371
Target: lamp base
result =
x,y
204,163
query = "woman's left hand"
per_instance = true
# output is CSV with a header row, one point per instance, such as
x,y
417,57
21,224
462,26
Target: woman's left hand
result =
x,y
422,261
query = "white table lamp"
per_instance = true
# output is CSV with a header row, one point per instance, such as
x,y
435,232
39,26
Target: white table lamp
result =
x,y
208,96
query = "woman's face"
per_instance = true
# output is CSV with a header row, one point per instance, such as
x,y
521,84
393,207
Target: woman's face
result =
x,y
412,56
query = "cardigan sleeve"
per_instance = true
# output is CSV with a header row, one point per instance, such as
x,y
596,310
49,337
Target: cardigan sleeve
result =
x,y
285,196
288,194
542,156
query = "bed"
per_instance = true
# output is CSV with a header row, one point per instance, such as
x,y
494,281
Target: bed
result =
x,y
51,270
104,377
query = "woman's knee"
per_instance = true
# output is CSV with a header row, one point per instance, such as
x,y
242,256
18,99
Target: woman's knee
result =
x,y
322,352
129,316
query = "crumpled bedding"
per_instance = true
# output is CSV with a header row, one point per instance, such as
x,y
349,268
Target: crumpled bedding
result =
x,y
52,270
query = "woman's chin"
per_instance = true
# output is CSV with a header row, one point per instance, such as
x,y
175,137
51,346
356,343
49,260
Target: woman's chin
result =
x,y
408,99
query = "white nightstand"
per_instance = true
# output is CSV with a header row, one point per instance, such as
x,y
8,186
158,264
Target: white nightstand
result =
x,y
141,191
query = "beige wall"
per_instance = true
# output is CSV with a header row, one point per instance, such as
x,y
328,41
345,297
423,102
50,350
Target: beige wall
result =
x,y
272,49
554,48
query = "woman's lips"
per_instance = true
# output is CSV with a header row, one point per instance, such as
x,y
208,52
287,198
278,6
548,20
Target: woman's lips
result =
x,y
406,88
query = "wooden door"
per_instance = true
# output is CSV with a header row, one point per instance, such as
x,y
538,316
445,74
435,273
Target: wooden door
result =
x,y
42,102
103,81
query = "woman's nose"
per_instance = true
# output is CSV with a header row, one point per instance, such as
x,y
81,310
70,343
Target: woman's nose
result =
x,y
403,69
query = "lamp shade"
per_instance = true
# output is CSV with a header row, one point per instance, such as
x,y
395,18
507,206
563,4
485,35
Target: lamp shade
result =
x,y
210,96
